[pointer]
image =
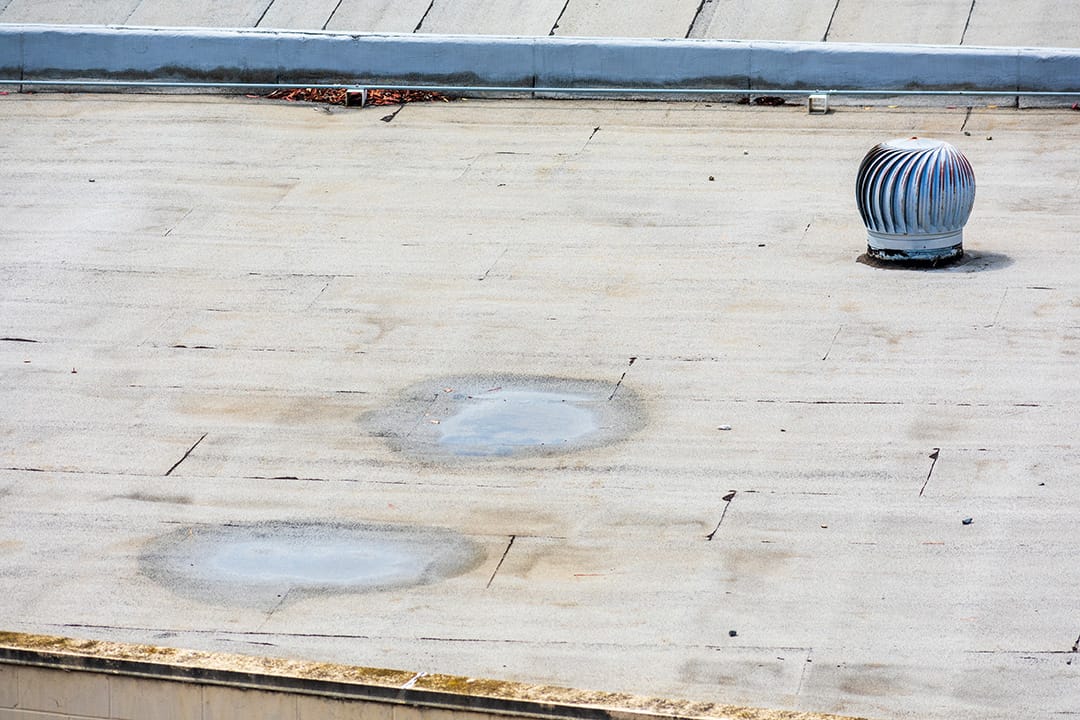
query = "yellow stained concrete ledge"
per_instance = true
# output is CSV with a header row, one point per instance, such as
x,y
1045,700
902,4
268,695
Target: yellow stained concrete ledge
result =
x,y
411,688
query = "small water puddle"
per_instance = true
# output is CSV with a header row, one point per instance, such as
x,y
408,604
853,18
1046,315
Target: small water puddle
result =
x,y
262,563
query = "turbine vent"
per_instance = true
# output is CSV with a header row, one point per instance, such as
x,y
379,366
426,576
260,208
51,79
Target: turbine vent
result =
x,y
915,196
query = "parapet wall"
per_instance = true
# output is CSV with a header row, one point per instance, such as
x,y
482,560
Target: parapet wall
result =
x,y
43,52
49,678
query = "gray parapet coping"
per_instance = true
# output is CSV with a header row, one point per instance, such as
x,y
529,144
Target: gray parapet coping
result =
x,y
29,52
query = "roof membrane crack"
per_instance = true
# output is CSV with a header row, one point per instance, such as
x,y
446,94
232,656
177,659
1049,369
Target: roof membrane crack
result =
x,y
423,17
934,458
622,377
263,15
697,14
185,457
505,553
556,23
332,14
727,503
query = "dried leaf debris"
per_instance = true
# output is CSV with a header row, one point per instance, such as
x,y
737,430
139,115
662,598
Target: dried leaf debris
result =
x,y
340,96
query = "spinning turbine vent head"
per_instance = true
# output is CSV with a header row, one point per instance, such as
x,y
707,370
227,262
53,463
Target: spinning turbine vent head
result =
x,y
915,196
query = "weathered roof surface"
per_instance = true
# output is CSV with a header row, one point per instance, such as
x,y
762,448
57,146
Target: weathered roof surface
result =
x,y
237,316
1045,23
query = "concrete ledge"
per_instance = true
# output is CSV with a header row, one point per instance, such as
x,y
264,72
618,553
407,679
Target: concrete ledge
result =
x,y
50,52
81,677
888,67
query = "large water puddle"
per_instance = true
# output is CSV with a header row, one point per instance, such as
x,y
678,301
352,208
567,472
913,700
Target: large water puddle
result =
x,y
262,563
508,415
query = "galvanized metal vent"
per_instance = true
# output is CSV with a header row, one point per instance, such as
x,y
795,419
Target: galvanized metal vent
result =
x,y
915,196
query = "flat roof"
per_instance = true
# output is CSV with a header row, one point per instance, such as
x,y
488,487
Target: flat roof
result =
x,y
230,321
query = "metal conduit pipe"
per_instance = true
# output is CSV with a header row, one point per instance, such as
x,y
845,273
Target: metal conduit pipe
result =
x,y
514,89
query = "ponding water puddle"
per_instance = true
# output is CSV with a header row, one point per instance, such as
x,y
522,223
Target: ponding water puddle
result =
x,y
497,422
261,563
498,416
321,563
